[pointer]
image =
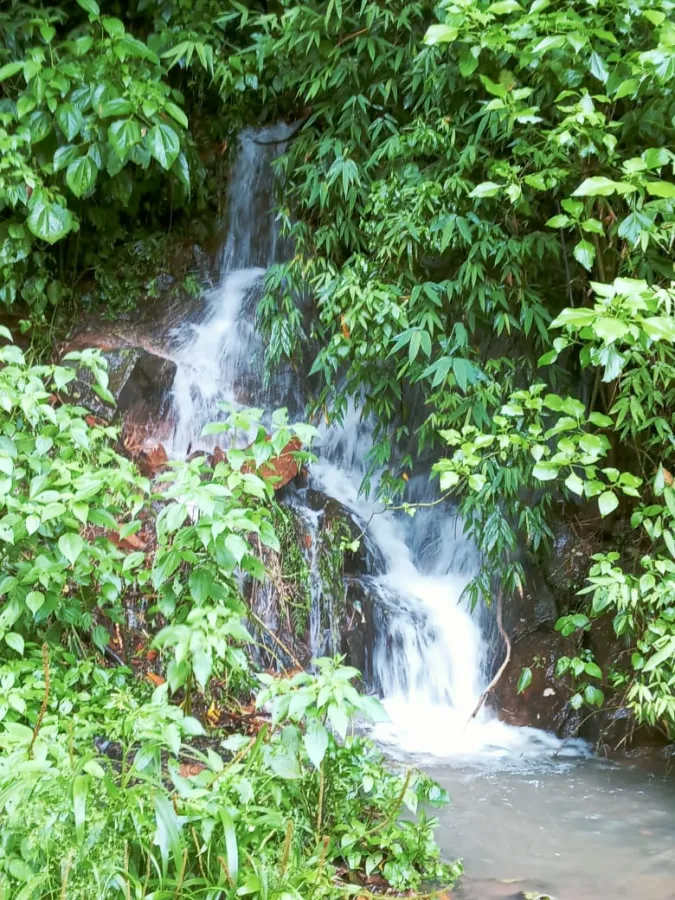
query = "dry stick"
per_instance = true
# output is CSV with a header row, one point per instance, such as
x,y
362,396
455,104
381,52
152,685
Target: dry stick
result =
x,y
348,37
66,874
45,699
181,877
199,852
507,659
287,848
223,866
277,639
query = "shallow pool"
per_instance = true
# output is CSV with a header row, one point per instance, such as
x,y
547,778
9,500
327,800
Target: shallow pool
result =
x,y
584,830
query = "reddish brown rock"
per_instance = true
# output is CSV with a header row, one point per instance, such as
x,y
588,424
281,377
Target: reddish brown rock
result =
x,y
545,702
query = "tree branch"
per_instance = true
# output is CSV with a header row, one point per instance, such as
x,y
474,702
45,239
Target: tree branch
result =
x,y
507,659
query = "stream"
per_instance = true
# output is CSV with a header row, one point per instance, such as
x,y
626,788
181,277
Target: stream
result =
x,y
588,831
529,812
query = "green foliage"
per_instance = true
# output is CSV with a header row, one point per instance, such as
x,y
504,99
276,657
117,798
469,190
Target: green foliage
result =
x,y
103,133
106,790
243,816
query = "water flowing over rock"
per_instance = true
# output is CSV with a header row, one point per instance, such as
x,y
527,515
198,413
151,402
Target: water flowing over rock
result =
x,y
378,585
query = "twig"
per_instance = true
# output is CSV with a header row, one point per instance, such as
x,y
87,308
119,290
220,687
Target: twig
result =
x,y
45,699
393,812
277,639
507,659
348,37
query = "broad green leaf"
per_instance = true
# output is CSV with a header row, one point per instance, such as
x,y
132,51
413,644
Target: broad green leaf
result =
x,y
664,189
123,135
164,145
486,189
49,221
593,695
81,175
90,6
599,186
70,120
584,253
167,834
440,34
546,471
316,742
71,546
607,503
610,329
575,484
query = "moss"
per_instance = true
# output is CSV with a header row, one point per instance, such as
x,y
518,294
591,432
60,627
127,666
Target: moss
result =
x,y
293,577
331,555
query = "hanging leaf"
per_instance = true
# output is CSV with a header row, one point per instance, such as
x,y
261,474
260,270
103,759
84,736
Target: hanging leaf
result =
x,y
50,221
164,145
584,253
607,503
316,742
123,135
81,175
70,120
71,546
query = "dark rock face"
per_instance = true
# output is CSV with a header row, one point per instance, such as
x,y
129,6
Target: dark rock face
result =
x,y
544,703
140,380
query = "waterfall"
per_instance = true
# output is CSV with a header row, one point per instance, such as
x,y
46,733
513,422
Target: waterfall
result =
x,y
430,658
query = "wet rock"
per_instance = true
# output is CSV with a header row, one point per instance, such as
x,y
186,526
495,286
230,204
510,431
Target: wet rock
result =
x,y
567,566
545,702
139,378
531,611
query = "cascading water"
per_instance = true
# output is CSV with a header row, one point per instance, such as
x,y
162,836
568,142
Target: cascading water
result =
x,y
429,659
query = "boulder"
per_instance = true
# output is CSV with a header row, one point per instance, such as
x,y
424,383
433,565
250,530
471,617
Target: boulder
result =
x,y
140,378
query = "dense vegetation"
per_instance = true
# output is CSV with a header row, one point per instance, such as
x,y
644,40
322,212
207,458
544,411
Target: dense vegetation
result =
x,y
481,199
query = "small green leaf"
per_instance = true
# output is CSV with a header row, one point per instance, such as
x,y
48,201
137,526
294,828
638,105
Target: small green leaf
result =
x,y
598,186
440,34
524,681
584,253
35,600
664,189
90,6
486,189
607,503
15,641
10,69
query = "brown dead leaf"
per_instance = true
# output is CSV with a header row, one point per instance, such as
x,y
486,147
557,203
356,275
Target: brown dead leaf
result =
x,y
157,680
